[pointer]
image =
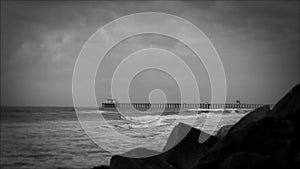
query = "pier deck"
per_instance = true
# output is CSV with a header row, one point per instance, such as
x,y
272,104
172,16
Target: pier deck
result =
x,y
183,105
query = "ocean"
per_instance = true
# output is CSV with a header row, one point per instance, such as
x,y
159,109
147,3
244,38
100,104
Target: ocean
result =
x,y
52,137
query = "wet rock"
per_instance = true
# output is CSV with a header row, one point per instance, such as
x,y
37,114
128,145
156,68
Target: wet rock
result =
x,y
178,133
223,131
269,136
288,105
140,153
250,160
270,162
296,161
267,132
289,108
182,151
154,162
186,145
101,167
251,117
241,160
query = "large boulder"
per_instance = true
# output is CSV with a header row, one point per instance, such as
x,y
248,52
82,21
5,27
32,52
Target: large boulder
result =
x,y
269,136
182,151
267,132
101,167
251,117
241,160
154,162
271,162
296,161
140,153
222,132
178,133
288,105
289,108
183,147
250,160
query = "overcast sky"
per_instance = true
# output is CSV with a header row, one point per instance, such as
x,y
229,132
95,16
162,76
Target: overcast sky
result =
x,y
40,42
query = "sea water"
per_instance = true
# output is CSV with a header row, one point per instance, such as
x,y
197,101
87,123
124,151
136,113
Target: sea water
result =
x,y
51,137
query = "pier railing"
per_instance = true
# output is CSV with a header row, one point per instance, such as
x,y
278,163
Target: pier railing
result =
x,y
183,105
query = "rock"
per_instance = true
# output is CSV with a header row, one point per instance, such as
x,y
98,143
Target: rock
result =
x,y
296,161
154,162
268,132
183,149
101,167
270,162
269,136
223,131
241,160
251,117
140,153
288,104
177,134
250,160
289,108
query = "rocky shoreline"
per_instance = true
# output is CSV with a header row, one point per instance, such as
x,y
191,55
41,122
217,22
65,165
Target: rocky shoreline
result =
x,y
264,138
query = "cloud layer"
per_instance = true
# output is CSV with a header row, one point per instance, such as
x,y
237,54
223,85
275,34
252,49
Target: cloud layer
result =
x,y
40,41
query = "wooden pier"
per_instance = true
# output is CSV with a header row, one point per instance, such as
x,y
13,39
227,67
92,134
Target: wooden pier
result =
x,y
182,105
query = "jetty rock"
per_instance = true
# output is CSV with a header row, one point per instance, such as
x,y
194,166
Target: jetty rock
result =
x,y
186,145
250,160
140,152
101,167
182,150
223,131
273,133
250,118
154,162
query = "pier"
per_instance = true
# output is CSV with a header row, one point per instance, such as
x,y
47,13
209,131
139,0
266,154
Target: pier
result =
x,y
182,105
